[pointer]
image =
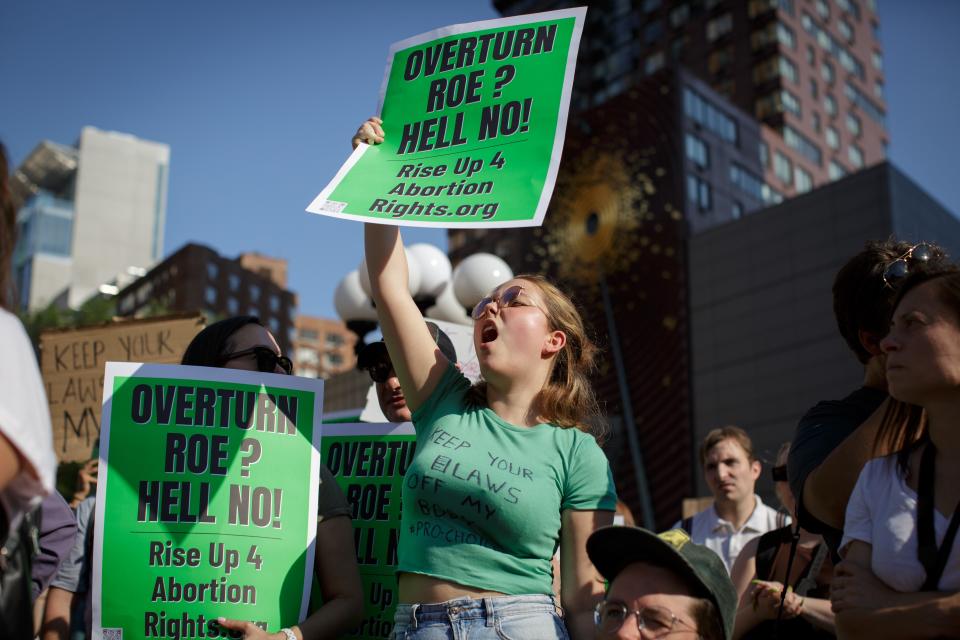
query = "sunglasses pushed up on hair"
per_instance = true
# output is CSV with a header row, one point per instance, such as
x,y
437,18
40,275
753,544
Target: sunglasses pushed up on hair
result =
x,y
267,359
899,269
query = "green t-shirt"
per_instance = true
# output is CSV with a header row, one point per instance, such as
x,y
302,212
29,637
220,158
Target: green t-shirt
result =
x,y
482,498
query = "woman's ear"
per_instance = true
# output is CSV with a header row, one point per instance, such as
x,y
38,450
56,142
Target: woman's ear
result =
x,y
553,343
870,342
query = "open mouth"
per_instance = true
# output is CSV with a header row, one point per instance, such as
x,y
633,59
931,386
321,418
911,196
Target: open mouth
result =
x,y
488,333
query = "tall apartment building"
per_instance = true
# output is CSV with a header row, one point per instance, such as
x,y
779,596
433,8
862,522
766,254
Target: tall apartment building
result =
x,y
197,278
811,70
322,347
87,214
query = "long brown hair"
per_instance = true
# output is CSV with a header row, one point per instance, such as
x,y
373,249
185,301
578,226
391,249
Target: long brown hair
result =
x,y
904,425
567,399
8,237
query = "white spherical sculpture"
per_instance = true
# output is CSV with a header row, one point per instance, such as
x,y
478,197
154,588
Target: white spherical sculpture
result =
x,y
434,269
477,275
413,275
351,302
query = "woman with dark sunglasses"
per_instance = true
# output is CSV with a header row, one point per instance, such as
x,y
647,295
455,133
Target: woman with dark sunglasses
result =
x,y
760,573
505,471
242,342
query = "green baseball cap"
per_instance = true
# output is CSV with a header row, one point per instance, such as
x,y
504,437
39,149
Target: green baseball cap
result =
x,y
612,549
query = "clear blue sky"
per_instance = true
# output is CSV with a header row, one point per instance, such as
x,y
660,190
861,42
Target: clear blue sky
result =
x,y
257,101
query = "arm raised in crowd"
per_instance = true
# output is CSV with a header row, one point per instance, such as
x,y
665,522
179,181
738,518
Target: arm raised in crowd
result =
x,y
417,360
866,608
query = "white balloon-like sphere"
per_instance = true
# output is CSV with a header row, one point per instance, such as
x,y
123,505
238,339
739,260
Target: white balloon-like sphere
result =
x,y
434,268
413,275
351,302
448,308
477,275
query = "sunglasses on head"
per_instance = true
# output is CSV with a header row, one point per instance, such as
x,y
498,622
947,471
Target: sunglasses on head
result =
x,y
267,359
381,372
900,268
779,473
509,297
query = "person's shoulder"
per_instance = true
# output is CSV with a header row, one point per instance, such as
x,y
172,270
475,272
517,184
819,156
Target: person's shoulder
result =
x,y
12,332
861,400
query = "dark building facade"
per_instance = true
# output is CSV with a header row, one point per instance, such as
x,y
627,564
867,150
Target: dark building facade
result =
x,y
640,173
764,343
197,278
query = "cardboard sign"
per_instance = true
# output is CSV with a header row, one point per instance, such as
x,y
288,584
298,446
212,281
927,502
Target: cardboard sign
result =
x,y
207,500
72,362
474,117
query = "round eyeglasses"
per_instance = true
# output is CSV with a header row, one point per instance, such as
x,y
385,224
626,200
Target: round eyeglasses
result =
x,y
652,622
509,297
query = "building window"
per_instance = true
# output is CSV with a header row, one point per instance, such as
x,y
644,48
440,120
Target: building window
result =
x,y
836,171
829,105
697,151
802,180
677,47
853,124
814,89
210,295
704,113
811,56
826,72
785,36
274,303
234,281
332,360
233,307
254,292
653,63
679,15
823,10
799,142
334,340
720,59
790,102
782,168
308,334
653,32
736,210
274,325
845,30
651,5
760,7
719,27
746,181
816,122
787,5
788,69
864,103
878,90
698,192
855,156
212,271
832,137
764,152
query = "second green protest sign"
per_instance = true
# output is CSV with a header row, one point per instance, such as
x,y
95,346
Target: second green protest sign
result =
x,y
207,500
474,117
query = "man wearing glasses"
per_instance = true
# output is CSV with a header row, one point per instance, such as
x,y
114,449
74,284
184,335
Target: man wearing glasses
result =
x,y
660,585
835,439
375,360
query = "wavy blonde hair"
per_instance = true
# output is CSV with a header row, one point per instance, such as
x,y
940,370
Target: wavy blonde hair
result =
x,y
567,399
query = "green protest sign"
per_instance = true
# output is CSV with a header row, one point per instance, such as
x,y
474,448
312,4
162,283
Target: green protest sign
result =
x,y
474,117
207,499
368,461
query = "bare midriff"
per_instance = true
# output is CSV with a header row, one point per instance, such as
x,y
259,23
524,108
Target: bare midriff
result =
x,y
418,588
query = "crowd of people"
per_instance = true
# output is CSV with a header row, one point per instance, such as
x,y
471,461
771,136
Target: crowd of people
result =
x,y
863,544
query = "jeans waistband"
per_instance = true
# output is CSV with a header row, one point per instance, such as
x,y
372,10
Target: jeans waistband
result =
x,y
474,608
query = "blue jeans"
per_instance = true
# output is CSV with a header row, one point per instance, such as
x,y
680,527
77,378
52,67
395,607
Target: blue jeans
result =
x,y
533,617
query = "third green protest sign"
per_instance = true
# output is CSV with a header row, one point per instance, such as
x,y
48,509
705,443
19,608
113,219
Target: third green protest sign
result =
x,y
474,117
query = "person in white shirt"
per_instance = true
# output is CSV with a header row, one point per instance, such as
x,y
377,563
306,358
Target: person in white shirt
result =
x,y
737,514
900,577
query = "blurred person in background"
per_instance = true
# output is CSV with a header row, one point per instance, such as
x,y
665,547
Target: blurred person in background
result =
x,y
836,438
27,460
243,343
760,571
900,577
737,514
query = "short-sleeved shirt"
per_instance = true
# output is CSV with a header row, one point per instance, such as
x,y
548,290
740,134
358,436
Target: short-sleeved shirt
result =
x,y
69,574
718,535
818,433
883,513
482,498
332,502
58,530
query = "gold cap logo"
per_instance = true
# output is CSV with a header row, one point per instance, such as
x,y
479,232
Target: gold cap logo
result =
x,y
676,538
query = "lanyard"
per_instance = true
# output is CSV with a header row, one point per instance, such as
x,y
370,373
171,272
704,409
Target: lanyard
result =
x,y
933,559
